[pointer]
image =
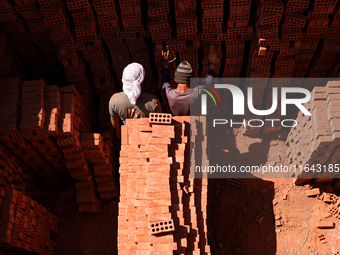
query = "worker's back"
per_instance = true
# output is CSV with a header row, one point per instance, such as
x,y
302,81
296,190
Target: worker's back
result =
x,y
120,104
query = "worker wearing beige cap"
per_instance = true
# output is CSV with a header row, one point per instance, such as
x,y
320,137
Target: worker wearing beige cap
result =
x,y
132,103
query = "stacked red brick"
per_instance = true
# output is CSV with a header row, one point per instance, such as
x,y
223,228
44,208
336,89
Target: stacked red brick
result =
x,y
86,196
46,112
267,35
263,48
32,119
10,66
198,183
55,18
40,31
187,43
274,126
212,19
333,116
160,29
158,15
238,32
14,19
26,225
86,158
9,103
152,176
107,19
15,174
57,22
317,142
93,150
316,28
84,20
140,54
120,56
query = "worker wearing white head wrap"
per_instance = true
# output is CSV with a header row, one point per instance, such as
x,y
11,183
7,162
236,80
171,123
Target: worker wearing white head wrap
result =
x,y
133,77
132,103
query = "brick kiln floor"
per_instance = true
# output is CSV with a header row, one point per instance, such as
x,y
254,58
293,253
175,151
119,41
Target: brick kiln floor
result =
x,y
289,223
288,226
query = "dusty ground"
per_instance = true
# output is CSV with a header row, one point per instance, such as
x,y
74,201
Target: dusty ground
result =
x,y
231,212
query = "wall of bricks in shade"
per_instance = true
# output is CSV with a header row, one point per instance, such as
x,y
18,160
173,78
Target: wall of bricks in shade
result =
x,y
90,42
48,129
26,226
156,191
317,138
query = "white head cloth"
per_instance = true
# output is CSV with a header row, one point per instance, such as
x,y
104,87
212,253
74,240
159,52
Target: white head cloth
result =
x,y
133,76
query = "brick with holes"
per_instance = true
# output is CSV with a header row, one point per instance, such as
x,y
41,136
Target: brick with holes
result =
x,y
158,118
235,182
161,227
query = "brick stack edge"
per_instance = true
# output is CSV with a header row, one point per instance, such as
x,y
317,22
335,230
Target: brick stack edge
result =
x,y
317,138
161,209
26,226
48,128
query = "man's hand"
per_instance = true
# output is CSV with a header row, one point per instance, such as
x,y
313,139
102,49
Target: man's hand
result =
x,y
165,58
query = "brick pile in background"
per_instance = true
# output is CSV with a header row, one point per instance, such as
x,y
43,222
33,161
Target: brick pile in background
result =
x,y
95,55
286,39
317,142
153,176
90,160
186,43
84,20
48,116
74,65
49,132
32,41
59,25
107,17
120,56
16,139
15,174
160,28
10,66
212,20
158,20
26,225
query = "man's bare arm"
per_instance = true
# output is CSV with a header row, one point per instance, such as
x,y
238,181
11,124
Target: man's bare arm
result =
x,y
116,125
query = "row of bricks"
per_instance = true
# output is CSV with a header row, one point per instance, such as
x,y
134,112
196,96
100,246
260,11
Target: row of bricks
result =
x,y
11,209
321,93
155,188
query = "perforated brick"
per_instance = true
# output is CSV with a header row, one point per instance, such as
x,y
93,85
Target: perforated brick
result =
x,y
78,217
235,182
77,4
160,118
68,194
161,227
259,218
272,7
